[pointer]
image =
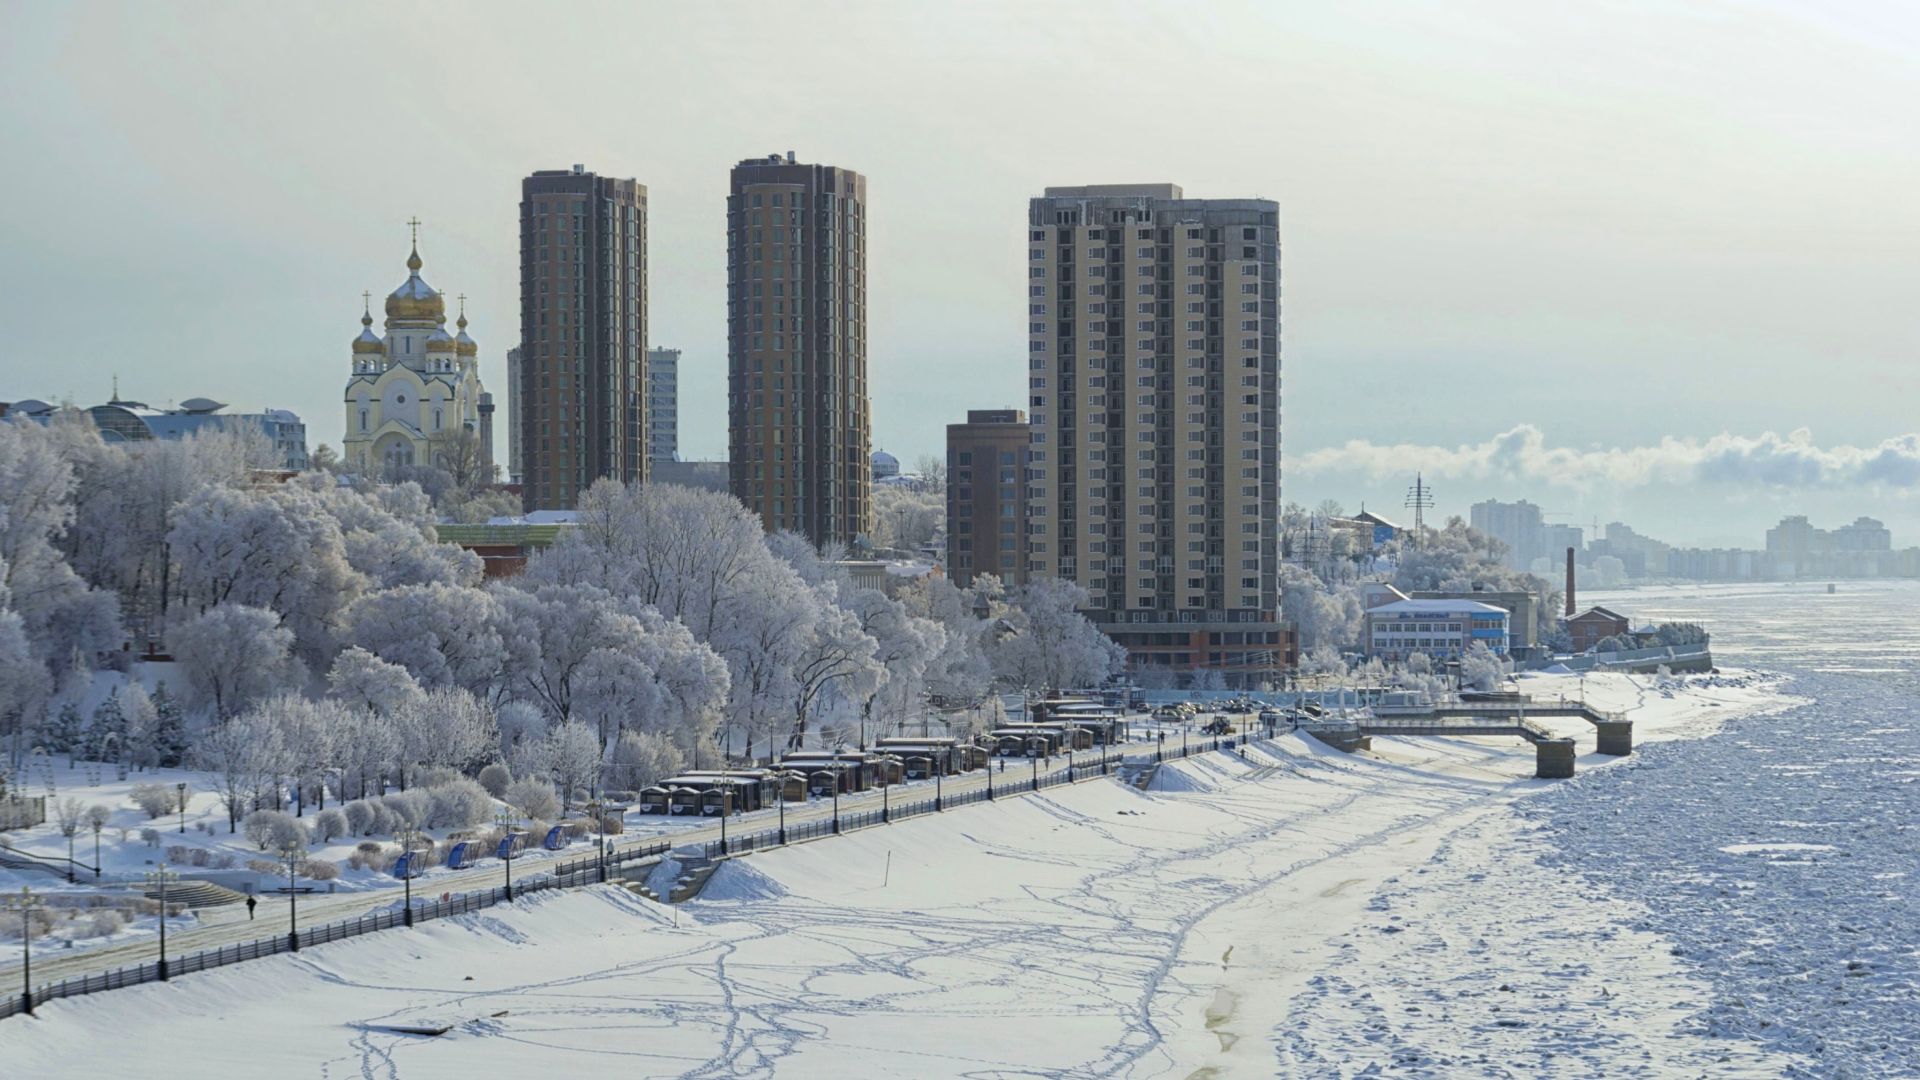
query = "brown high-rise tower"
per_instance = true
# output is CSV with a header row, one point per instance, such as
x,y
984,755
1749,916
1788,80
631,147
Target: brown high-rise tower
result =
x,y
799,432
583,332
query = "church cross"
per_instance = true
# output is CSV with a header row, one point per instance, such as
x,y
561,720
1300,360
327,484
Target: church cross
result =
x,y
414,224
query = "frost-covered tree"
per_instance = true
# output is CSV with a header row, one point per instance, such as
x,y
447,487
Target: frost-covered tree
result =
x,y
169,729
364,681
446,728
443,634
278,549
231,656
240,757
640,760
837,657
63,621
1047,644
140,721
572,756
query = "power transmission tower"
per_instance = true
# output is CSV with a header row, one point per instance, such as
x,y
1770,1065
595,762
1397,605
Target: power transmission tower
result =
x,y
1419,500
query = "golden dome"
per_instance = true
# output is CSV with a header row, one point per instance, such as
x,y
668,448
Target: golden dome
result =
x,y
368,341
415,300
465,345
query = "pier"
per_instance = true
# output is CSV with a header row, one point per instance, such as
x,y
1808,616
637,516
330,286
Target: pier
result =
x,y
1553,754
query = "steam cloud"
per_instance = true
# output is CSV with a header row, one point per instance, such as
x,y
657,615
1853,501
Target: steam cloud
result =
x,y
1788,463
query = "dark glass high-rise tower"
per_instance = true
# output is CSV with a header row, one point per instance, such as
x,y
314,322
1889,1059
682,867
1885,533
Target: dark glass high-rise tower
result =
x,y
583,334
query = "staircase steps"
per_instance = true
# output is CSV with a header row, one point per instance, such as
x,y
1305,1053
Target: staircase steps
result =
x,y
197,894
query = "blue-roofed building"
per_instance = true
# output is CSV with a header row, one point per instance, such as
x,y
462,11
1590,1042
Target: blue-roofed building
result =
x,y
1442,629
135,421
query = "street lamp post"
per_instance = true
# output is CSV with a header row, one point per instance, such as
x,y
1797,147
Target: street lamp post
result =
x,y
24,904
96,849
407,839
1034,760
506,820
292,854
160,878
726,804
180,791
834,775
939,788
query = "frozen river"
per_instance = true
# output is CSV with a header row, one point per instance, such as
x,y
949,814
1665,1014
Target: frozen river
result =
x,y
1782,857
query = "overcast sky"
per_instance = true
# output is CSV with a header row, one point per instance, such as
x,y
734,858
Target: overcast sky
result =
x,y
1646,260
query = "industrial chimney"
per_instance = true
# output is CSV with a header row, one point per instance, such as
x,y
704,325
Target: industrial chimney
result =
x,y
1569,583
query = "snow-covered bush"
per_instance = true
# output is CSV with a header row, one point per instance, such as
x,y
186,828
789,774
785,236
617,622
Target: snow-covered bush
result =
x,y
360,817
262,866
383,822
328,824
410,809
154,800
150,837
533,798
495,778
432,776
319,870
106,923
458,804
272,829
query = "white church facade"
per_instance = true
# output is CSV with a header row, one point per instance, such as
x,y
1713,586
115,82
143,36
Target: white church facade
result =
x,y
415,388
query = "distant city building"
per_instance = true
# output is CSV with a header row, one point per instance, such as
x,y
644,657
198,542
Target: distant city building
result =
x,y
799,427
1154,366
987,496
120,421
1556,539
663,405
1516,524
885,466
583,334
1442,629
416,389
1865,534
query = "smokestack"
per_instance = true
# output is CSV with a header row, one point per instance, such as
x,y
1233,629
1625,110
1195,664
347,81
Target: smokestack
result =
x,y
1569,583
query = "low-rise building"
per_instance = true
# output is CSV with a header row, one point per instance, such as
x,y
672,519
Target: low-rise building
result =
x,y
135,421
1442,629
1594,625
1523,606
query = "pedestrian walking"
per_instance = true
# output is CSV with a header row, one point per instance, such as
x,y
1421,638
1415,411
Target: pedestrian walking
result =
x,y
252,902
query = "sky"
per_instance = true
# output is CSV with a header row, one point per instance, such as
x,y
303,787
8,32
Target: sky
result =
x,y
1643,261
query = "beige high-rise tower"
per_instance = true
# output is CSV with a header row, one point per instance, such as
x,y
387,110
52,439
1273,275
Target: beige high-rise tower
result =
x,y
1154,375
799,433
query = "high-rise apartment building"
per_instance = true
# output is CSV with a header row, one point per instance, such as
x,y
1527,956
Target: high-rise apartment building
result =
x,y
1154,373
799,432
987,496
663,405
1518,525
583,334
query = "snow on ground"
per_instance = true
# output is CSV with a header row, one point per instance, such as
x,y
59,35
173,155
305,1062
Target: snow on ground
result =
x,y
1293,910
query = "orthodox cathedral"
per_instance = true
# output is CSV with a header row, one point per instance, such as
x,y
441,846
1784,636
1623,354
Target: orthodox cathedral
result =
x,y
414,389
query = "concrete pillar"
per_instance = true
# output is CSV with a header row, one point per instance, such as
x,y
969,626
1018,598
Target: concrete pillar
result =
x,y
1616,736
1553,759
